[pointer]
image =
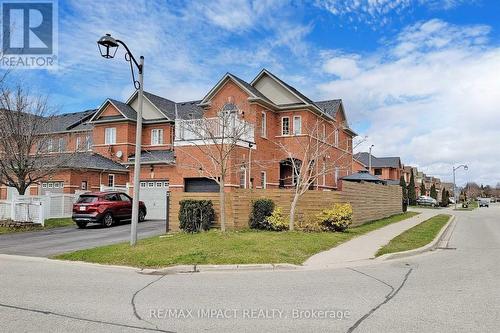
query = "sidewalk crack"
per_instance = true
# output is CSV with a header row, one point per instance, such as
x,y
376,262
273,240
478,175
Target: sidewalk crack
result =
x,y
388,297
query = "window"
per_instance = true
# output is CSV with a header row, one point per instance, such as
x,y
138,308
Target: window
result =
x,y
336,138
111,180
285,126
378,172
88,142
157,136
50,145
78,145
61,145
84,185
124,197
336,175
158,184
263,126
243,178
263,179
112,197
324,132
143,184
297,125
110,136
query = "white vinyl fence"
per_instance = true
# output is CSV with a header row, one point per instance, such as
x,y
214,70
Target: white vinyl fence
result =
x,y
38,208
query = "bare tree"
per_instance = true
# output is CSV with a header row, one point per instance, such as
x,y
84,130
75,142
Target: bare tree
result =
x,y
309,156
216,141
25,123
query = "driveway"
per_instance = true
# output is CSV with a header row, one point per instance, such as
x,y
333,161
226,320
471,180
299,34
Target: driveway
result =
x,y
59,240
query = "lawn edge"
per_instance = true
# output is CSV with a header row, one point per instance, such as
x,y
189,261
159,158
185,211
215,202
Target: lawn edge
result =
x,y
428,247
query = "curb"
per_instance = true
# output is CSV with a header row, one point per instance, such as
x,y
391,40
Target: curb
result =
x,y
445,232
218,268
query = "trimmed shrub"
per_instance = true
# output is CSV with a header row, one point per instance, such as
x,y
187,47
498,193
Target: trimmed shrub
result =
x,y
196,215
277,221
261,210
337,218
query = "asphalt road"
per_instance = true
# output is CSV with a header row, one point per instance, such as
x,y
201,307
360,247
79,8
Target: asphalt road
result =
x,y
450,290
59,240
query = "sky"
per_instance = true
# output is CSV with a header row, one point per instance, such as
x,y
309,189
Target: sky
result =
x,y
419,79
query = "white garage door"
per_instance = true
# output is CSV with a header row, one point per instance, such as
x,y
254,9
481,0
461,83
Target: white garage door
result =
x,y
154,196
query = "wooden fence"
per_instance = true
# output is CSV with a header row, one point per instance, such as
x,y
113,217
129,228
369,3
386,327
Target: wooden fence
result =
x,y
369,202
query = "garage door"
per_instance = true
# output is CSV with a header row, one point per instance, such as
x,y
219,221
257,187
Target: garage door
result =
x,y
154,196
200,185
52,187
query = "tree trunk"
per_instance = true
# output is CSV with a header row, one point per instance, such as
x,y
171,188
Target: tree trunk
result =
x,y
292,211
222,199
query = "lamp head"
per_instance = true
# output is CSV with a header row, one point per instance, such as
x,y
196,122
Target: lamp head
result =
x,y
466,167
107,46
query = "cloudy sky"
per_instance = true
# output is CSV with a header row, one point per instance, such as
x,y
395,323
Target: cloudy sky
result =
x,y
420,78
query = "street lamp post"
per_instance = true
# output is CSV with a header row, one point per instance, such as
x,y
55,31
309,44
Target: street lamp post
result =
x,y
454,183
370,159
108,47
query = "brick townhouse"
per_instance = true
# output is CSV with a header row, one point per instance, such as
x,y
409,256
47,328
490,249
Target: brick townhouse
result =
x,y
386,168
275,111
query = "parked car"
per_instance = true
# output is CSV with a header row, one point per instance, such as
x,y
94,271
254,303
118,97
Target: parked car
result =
x,y
105,208
451,200
484,202
493,200
425,200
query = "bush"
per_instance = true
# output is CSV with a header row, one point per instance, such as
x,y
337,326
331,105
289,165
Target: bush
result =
x,y
261,210
337,218
276,221
196,215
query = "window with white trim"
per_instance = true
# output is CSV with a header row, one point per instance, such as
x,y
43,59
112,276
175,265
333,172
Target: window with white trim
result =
x,y
324,132
111,180
263,125
50,145
285,126
78,144
243,178
156,136
263,179
61,145
336,175
88,142
336,138
110,136
297,125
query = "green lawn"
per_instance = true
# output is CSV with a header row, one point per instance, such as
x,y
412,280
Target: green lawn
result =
x,y
417,236
233,247
49,224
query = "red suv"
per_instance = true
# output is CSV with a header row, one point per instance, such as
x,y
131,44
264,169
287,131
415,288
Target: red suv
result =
x,y
105,208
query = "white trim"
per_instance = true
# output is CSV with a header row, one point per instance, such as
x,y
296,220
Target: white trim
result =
x,y
282,128
263,180
336,143
263,124
300,125
112,138
159,136
112,176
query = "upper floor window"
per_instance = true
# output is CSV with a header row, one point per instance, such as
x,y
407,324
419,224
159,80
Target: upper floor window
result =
x,y
88,142
110,136
263,179
78,144
324,133
297,125
157,136
378,172
50,145
61,145
285,126
263,127
336,138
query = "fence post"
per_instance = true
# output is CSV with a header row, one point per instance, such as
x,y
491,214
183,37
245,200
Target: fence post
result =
x,y
12,208
41,213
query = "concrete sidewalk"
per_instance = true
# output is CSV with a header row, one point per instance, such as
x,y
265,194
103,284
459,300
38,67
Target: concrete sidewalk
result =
x,y
363,248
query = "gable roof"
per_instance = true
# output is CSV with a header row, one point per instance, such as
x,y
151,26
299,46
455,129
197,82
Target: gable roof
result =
x,y
124,109
378,162
76,121
252,91
330,107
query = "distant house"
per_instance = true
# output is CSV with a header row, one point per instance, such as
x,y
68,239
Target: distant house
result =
x,y
386,168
